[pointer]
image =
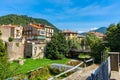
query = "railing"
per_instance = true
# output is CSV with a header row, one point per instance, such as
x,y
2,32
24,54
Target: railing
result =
x,y
55,77
103,72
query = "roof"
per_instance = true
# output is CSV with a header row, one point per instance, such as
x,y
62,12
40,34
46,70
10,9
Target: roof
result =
x,y
8,26
68,31
98,34
36,25
48,26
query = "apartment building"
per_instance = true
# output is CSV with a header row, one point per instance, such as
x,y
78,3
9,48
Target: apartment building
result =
x,y
38,32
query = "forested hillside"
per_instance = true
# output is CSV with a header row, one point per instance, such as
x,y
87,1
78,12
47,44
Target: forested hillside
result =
x,y
23,20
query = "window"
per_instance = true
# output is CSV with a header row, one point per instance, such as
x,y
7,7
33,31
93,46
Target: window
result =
x,y
40,48
42,32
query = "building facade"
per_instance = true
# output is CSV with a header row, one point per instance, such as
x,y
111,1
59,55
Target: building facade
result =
x,y
13,31
38,32
69,34
37,35
34,50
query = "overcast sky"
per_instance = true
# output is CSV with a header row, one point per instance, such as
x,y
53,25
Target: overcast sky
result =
x,y
76,15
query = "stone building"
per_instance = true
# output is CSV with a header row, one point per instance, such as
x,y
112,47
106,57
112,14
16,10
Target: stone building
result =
x,y
34,50
11,31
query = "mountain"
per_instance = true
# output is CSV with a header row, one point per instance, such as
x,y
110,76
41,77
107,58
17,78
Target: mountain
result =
x,y
24,20
101,30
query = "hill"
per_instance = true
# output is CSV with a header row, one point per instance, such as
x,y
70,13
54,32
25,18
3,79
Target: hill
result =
x,y
24,20
101,30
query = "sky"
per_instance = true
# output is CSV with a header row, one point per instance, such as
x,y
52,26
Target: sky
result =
x,y
75,15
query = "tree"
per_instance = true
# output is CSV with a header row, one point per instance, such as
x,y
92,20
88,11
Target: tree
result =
x,y
74,43
57,47
96,46
113,37
4,64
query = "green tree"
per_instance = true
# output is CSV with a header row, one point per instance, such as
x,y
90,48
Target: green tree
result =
x,y
74,43
113,37
96,46
57,47
4,64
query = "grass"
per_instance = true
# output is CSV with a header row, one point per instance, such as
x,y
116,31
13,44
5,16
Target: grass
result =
x,y
31,64
84,55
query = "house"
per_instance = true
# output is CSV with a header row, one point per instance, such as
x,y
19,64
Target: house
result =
x,y
38,32
98,34
69,34
14,31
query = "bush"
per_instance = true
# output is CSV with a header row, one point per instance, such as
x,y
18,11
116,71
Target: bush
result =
x,y
40,74
10,39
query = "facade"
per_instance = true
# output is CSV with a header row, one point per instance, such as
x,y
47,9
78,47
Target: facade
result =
x,y
34,50
11,31
38,32
69,34
37,35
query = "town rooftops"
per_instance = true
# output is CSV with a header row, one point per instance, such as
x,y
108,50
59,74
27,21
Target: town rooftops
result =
x,y
68,31
36,25
39,25
100,35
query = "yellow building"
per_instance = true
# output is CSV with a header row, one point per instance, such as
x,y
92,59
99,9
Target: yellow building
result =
x,y
69,34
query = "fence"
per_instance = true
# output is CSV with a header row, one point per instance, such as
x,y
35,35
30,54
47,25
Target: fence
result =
x,y
55,77
103,72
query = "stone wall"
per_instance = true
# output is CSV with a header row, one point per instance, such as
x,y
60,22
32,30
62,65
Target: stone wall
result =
x,y
15,50
34,50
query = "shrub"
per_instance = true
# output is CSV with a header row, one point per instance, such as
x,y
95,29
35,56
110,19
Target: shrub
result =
x,y
10,39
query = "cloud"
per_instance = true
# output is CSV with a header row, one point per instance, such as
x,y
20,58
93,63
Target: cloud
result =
x,y
94,28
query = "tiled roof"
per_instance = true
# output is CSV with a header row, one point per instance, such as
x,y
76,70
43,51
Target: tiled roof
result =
x,y
98,34
36,25
39,25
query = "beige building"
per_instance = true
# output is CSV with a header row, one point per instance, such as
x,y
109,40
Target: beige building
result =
x,y
11,31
